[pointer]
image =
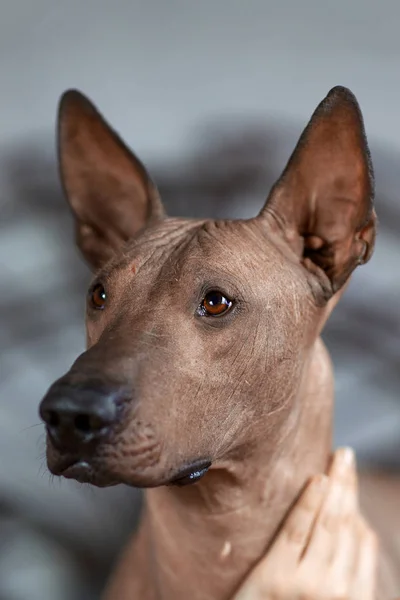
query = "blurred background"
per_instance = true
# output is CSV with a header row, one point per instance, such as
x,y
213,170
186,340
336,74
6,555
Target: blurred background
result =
x,y
212,95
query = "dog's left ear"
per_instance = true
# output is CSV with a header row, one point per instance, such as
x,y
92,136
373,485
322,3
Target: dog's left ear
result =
x,y
323,202
109,190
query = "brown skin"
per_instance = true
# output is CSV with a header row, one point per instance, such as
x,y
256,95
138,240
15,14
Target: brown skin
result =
x,y
325,549
248,392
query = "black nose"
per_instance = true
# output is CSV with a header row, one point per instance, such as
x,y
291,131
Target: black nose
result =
x,y
77,415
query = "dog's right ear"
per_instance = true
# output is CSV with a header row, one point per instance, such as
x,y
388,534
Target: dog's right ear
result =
x,y
107,187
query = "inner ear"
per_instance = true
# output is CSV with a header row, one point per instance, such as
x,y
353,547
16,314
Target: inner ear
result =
x,y
323,202
108,188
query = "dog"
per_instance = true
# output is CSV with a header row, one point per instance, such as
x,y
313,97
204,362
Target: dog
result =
x,y
204,361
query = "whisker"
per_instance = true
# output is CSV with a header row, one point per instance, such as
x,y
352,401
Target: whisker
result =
x,y
30,427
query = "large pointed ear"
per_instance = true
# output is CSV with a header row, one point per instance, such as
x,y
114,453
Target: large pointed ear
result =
x,y
107,187
323,202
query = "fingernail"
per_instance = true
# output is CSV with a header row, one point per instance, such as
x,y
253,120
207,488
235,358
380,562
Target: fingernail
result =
x,y
348,456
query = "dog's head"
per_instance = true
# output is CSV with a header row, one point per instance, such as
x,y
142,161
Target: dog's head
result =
x,y
198,330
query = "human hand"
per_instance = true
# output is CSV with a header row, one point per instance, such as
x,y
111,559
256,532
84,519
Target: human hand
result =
x,y
325,549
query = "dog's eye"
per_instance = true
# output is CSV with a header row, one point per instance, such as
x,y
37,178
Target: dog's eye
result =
x,y
97,296
215,304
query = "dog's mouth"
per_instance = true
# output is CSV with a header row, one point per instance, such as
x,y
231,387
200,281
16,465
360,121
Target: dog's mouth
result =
x,y
94,471
81,470
191,473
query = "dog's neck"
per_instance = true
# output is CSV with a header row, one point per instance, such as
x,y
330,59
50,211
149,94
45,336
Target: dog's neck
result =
x,y
208,536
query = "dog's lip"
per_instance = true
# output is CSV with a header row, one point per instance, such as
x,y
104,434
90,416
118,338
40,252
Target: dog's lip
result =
x,y
87,470
68,466
84,471
78,469
63,463
191,473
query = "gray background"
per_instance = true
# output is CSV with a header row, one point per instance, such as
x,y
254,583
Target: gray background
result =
x,y
212,95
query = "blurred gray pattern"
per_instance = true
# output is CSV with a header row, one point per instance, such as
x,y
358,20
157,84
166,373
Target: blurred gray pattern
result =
x,y
213,97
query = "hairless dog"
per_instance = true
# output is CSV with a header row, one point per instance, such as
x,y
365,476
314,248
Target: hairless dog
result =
x,y
204,362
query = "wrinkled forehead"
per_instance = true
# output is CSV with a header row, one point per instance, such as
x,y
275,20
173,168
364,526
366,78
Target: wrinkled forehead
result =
x,y
186,250
234,249
152,248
